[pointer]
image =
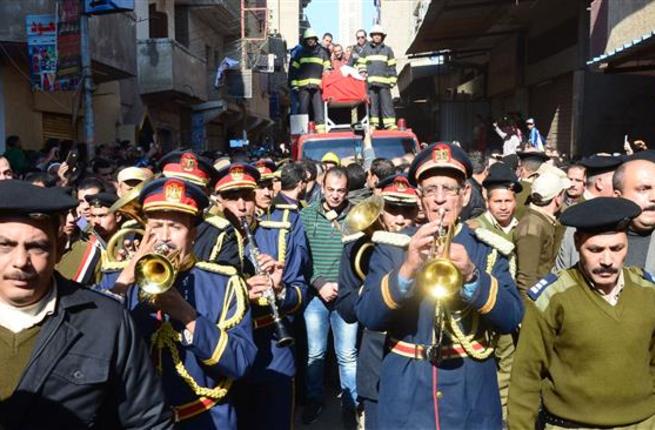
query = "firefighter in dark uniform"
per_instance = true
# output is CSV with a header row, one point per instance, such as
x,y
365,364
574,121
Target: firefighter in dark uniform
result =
x,y
265,396
378,64
439,370
200,329
398,210
306,75
216,239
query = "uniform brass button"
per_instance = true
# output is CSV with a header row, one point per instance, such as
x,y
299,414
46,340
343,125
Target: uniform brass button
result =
x,y
439,395
78,374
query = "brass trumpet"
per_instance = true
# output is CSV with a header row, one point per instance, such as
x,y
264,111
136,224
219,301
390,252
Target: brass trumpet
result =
x,y
129,204
439,277
155,273
364,216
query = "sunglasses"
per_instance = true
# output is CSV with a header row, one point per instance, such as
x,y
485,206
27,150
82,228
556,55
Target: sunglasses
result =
x,y
361,37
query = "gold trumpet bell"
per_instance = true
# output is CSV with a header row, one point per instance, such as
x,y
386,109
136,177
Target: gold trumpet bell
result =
x,y
154,274
363,216
129,204
440,278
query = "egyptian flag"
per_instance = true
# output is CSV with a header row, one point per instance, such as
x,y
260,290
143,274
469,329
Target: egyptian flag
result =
x,y
91,257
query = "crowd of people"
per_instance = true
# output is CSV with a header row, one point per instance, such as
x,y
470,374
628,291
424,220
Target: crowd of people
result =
x,y
370,60
462,290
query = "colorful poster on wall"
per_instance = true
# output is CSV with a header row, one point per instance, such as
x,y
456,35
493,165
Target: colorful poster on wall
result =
x,y
69,64
42,50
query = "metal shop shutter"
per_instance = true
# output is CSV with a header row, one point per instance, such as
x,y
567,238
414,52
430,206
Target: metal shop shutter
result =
x,y
58,126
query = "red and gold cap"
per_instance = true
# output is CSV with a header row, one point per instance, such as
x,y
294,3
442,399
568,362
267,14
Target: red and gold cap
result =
x,y
439,155
266,169
175,195
396,189
188,166
237,176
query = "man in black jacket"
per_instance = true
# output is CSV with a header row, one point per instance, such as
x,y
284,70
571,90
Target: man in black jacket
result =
x,y
71,358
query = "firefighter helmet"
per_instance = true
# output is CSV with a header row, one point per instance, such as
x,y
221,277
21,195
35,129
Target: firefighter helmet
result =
x,y
377,29
309,34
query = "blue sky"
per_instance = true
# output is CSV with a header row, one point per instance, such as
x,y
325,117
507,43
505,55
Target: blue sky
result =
x,y
323,16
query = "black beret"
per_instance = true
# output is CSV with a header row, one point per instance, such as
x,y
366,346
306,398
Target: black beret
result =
x,y
23,198
601,214
533,155
439,155
101,200
501,175
597,164
512,160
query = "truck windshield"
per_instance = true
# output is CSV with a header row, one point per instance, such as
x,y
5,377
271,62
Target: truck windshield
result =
x,y
385,147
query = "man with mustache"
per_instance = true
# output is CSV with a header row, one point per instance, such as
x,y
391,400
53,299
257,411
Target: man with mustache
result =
x,y
585,353
71,358
399,210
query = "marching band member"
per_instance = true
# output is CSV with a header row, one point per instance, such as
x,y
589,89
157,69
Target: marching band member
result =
x,y
199,330
438,371
272,260
397,212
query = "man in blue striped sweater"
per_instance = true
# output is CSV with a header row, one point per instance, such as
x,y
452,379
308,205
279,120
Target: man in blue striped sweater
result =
x,y
322,221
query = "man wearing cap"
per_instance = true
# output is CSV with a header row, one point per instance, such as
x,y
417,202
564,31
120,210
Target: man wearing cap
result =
x,y
424,383
584,357
496,228
306,76
131,177
268,389
329,160
215,237
83,263
377,63
399,210
199,329
529,164
538,234
67,353
598,183
264,191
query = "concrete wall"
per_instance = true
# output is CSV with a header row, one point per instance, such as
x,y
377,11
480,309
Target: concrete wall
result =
x,y
284,18
398,21
628,20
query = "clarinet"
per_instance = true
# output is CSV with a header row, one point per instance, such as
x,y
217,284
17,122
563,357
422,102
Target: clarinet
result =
x,y
283,336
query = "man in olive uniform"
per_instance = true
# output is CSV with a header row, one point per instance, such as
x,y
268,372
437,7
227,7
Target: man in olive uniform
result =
x,y
529,164
399,209
496,228
538,234
584,357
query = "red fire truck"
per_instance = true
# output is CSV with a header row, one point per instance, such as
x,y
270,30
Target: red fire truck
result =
x,y
346,113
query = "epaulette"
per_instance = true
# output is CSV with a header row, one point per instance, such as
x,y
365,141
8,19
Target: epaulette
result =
x,y
107,293
352,237
216,268
494,240
535,291
275,224
218,221
394,239
286,206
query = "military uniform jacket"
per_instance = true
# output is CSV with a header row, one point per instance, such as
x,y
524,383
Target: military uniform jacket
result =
x,y
307,70
216,242
585,360
87,357
276,239
461,391
353,268
221,351
379,63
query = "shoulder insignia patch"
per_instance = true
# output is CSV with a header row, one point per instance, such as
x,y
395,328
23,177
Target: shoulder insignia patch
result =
x,y
275,224
351,237
218,221
394,239
535,291
495,241
216,268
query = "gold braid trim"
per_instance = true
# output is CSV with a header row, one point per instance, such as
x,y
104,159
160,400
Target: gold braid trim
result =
x,y
491,260
282,239
216,249
465,341
166,337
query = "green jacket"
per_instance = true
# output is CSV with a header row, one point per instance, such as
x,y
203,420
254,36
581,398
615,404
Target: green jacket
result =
x,y
589,361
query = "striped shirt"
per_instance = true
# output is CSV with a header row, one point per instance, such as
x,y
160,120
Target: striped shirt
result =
x,y
324,239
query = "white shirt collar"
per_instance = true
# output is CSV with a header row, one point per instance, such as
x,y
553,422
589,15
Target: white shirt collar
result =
x,y
512,224
17,319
